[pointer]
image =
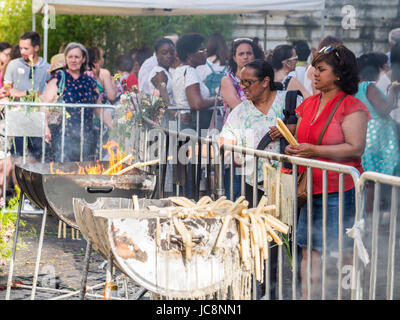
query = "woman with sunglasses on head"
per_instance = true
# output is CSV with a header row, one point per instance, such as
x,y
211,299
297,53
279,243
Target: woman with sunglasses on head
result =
x,y
250,121
283,60
336,77
309,76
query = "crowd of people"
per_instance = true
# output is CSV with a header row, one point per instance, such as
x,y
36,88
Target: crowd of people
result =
x,y
341,108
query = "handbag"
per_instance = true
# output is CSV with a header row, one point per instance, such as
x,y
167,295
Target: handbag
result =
x,y
55,113
302,178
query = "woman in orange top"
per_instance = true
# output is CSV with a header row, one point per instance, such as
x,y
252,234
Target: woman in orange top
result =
x,y
336,77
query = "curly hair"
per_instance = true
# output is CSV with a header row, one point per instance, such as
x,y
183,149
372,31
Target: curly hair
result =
x,y
188,43
344,65
258,54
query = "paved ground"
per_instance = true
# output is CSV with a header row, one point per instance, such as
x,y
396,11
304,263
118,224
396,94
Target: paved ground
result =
x,y
61,263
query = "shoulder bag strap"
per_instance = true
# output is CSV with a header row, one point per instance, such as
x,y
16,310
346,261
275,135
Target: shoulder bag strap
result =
x,y
209,65
329,119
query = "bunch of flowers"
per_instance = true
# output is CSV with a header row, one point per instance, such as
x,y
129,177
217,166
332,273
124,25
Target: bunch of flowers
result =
x,y
130,111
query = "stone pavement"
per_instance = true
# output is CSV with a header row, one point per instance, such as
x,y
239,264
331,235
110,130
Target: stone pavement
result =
x,y
60,266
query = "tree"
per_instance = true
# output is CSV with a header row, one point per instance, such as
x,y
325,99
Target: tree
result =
x,y
116,35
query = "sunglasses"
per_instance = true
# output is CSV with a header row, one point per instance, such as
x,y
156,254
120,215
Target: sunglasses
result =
x,y
329,49
30,72
243,39
248,83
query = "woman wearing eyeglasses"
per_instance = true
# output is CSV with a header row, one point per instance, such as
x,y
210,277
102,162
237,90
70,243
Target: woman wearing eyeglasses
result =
x,y
336,76
283,60
243,50
187,87
251,120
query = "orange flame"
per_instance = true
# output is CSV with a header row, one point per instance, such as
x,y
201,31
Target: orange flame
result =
x,y
115,156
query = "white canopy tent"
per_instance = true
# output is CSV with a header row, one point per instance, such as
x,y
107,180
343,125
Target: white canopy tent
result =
x,y
167,7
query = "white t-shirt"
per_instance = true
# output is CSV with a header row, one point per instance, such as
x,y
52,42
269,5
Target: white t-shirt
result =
x,y
156,70
183,77
301,73
307,82
144,72
204,70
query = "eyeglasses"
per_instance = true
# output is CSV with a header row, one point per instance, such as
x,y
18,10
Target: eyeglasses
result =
x,y
202,50
248,83
329,49
293,58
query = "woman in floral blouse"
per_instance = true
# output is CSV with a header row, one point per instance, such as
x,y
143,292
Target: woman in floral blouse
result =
x,y
79,89
250,121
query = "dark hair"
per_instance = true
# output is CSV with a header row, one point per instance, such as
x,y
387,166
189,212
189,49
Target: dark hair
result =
x,y
4,46
302,49
161,42
262,69
15,53
370,65
329,41
94,56
279,54
395,61
33,36
188,43
142,54
124,63
216,45
258,54
345,66
133,51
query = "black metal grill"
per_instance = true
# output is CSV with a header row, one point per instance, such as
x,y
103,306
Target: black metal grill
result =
x,y
56,191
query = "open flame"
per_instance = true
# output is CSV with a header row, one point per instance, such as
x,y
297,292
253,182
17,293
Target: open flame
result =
x,y
115,163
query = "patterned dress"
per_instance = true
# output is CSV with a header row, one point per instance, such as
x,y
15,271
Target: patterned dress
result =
x,y
382,152
247,125
77,91
239,91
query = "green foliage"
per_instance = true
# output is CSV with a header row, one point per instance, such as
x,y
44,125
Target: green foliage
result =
x,y
7,225
116,35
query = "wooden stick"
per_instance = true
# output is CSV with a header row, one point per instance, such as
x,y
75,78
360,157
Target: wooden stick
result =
x,y
285,132
222,232
277,224
273,234
158,233
128,157
135,202
59,228
140,164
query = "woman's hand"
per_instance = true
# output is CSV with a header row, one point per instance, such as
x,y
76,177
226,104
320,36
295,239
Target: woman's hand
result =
x,y
274,133
303,150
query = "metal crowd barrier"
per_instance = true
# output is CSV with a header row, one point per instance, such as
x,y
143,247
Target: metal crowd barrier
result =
x,y
207,163
217,164
379,279
28,123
